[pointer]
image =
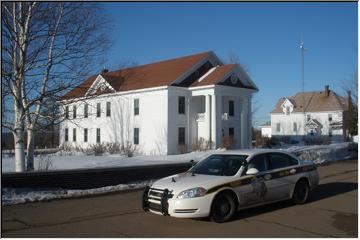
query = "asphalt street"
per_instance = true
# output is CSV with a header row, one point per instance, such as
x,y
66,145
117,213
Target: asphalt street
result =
x,y
332,211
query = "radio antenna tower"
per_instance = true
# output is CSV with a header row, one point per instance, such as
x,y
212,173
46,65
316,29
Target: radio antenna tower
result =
x,y
302,49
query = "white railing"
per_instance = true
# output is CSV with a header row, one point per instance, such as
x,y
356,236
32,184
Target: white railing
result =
x,y
200,117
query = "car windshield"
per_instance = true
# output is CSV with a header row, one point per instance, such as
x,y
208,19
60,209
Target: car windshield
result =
x,y
219,165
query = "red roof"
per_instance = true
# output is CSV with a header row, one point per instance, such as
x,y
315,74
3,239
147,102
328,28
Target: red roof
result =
x,y
157,74
145,76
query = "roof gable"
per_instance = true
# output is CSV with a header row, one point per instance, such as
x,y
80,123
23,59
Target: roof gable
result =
x,y
99,86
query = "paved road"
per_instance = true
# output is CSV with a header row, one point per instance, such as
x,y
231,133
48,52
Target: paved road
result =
x,y
331,212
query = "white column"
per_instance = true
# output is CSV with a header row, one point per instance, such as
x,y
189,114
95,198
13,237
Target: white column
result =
x,y
244,123
216,122
213,120
219,113
207,115
238,129
249,123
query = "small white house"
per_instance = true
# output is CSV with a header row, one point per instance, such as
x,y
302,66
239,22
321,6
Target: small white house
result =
x,y
265,129
162,106
318,113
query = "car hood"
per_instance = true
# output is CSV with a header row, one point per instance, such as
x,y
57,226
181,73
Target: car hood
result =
x,y
183,181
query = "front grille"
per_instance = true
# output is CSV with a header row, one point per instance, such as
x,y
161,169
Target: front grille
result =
x,y
155,207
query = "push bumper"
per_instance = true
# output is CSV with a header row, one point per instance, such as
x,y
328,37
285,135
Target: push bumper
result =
x,y
165,204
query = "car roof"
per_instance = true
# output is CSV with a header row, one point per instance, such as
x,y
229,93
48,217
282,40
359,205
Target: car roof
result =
x,y
252,152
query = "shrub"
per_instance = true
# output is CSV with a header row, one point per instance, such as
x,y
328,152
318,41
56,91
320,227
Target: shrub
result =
x,y
201,144
98,149
182,148
129,149
228,142
113,148
45,163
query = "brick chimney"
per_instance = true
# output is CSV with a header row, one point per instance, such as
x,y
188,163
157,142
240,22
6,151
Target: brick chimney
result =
x,y
327,90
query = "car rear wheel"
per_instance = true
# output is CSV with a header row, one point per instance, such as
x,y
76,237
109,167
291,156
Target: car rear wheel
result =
x,y
301,192
223,208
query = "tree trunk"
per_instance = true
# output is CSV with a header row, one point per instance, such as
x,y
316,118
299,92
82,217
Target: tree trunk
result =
x,y
19,150
30,149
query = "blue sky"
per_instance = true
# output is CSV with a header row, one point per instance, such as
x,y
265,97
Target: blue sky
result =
x,y
264,36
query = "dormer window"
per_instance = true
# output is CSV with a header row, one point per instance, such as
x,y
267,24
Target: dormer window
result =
x,y
287,107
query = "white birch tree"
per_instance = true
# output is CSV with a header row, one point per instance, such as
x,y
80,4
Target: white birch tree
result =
x,y
48,47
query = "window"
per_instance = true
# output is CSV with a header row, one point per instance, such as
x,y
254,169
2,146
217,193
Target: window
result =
x,y
258,162
181,106
98,110
308,117
86,110
294,127
85,134
136,136
98,135
278,127
231,108
330,117
108,107
66,134
280,160
220,165
67,112
287,110
74,134
74,111
231,132
181,136
136,106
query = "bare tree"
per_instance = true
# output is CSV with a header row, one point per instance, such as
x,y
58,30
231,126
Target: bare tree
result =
x,y
47,47
234,59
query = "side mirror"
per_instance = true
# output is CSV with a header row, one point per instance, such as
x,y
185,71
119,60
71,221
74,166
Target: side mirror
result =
x,y
252,171
192,162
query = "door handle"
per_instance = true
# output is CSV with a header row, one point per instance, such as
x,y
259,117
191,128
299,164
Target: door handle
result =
x,y
293,171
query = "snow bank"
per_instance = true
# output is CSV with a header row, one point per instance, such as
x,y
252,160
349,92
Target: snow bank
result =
x,y
79,160
321,154
12,196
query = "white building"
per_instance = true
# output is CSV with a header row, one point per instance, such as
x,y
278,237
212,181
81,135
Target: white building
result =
x,y
162,107
265,129
319,113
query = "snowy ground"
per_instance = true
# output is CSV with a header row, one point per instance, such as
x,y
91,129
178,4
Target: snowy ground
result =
x,y
12,196
80,160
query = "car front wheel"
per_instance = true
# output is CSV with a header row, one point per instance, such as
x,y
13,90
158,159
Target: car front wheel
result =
x,y
223,208
301,192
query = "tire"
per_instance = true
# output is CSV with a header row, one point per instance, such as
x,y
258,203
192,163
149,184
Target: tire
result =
x,y
223,208
301,192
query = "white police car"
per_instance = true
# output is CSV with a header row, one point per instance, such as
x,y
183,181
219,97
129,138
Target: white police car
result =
x,y
223,183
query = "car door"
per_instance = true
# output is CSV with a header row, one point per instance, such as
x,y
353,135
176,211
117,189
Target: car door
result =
x,y
255,190
282,168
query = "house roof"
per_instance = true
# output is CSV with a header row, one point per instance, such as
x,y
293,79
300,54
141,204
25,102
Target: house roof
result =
x,y
157,74
314,102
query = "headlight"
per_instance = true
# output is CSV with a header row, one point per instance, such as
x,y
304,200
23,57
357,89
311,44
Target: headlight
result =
x,y
192,193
